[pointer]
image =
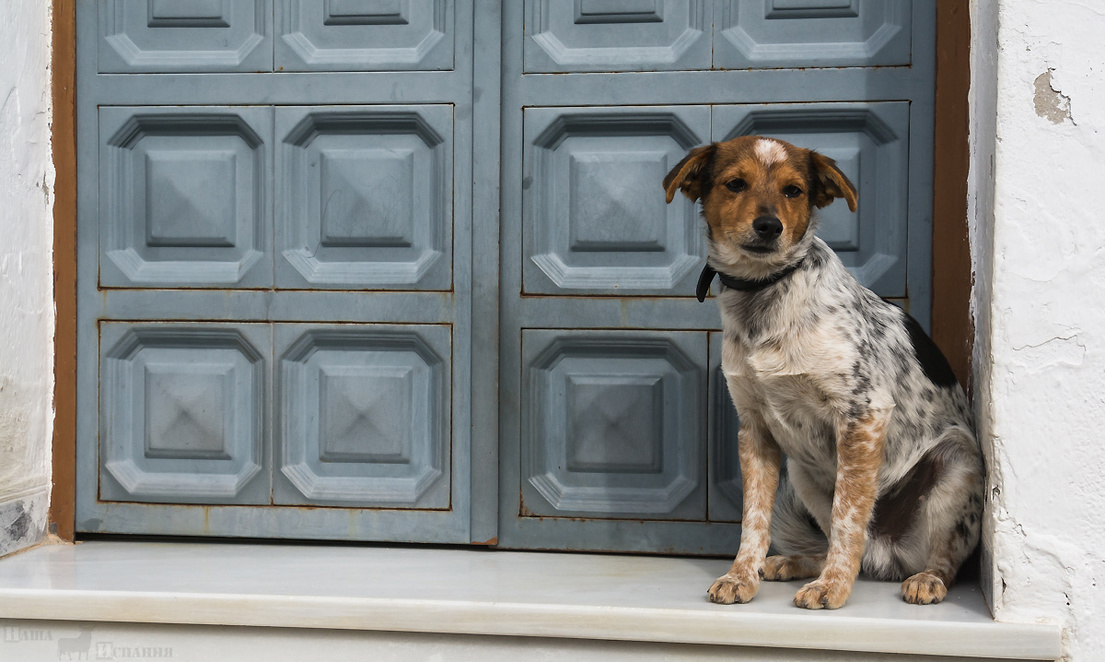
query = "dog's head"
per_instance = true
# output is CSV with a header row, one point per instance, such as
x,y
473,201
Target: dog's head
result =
x,y
758,196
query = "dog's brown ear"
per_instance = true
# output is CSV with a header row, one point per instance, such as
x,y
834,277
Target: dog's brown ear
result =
x,y
831,182
687,174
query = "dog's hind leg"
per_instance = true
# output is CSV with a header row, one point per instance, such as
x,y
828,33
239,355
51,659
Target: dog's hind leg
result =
x,y
950,521
796,536
786,568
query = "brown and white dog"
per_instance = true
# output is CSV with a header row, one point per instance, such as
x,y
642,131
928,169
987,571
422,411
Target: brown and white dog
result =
x,y
883,472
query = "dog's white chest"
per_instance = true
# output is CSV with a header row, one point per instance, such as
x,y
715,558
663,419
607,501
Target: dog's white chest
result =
x,y
816,357
799,395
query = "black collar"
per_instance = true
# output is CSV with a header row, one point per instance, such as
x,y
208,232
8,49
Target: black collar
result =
x,y
708,273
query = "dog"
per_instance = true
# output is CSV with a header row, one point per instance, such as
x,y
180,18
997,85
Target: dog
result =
x,y
882,468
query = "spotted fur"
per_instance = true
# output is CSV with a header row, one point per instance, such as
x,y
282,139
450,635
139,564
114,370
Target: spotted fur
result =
x,y
882,470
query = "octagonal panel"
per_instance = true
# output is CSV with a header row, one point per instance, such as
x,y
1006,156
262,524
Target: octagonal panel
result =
x,y
161,36
812,33
182,413
183,198
612,424
594,214
364,35
366,197
616,35
870,142
364,416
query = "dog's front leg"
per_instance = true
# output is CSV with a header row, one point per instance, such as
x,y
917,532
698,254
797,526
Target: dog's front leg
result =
x,y
859,450
760,460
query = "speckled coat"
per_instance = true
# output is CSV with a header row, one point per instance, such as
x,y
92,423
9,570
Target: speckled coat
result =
x,y
882,467
817,349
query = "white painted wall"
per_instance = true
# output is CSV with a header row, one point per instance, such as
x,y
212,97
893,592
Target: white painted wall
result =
x,y
1039,246
26,272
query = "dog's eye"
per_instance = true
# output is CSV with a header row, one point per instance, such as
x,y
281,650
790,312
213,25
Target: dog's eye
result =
x,y
736,185
792,191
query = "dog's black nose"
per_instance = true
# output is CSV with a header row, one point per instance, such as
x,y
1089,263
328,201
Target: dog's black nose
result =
x,y
767,227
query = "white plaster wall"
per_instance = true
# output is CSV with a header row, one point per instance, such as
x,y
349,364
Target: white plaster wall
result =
x,y
26,272
982,100
1040,307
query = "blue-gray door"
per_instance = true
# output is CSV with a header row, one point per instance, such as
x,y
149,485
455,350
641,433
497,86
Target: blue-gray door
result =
x,y
402,270
275,268
616,426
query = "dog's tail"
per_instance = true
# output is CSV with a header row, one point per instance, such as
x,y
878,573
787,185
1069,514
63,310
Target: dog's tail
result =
x,y
794,531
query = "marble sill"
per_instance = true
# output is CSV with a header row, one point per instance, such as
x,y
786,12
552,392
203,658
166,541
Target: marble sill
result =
x,y
477,591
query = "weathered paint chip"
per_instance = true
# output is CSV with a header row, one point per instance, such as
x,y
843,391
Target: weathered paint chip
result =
x,y
1051,104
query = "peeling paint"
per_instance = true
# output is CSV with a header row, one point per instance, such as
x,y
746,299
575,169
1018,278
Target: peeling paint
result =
x,y
1050,103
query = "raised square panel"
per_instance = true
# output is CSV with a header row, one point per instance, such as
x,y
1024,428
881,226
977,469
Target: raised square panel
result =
x,y
177,215
607,210
616,35
595,219
812,33
870,141
364,416
182,413
726,495
186,409
367,404
366,197
364,35
163,36
613,424
370,197
183,199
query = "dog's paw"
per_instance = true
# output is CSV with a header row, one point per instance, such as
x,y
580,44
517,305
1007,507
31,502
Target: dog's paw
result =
x,y
786,568
733,588
923,589
823,594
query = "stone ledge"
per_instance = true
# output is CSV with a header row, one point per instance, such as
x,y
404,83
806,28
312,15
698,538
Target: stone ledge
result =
x,y
481,592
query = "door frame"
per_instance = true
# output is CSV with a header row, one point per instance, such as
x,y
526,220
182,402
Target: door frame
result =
x,y
951,283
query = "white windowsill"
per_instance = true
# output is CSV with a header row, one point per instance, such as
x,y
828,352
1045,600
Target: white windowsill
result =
x,y
579,596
